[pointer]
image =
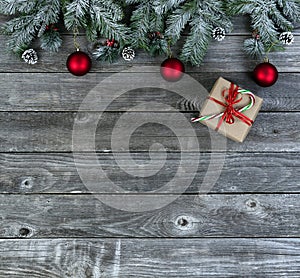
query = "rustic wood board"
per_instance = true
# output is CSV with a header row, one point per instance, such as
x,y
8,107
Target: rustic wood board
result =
x,y
115,258
61,92
52,132
52,226
37,173
226,215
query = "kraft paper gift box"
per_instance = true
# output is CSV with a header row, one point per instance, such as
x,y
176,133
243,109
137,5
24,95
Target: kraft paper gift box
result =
x,y
236,123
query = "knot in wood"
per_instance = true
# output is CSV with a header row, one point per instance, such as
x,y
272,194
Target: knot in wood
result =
x,y
252,204
24,232
184,223
26,183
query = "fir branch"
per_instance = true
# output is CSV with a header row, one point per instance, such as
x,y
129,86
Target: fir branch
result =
x,y
291,9
196,45
23,29
105,21
254,48
51,41
110,7
140,25
102,18
157,22
21,32
214,13
164,6
9,7
158,46
75,14
132,2
178,20
106,53
145,21
202,17
268,19
266,28
280,20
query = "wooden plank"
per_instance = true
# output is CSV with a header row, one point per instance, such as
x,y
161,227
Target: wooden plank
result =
x,y
54,216
150,258
235,59
57,173
62,92
52,132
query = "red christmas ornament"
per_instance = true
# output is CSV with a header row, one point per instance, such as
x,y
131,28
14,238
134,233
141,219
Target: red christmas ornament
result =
x,y
79,63
265,74
172,69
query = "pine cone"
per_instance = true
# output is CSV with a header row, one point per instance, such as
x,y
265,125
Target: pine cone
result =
x,y
155,36
218,34
128,54
287,38
30,56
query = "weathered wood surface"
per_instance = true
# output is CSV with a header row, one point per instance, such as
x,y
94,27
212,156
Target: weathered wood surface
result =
x,y
234,215
61,92
44,205
115,258
52,132
242,173
227,56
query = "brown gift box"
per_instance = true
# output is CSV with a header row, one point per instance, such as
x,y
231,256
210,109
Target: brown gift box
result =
x,y
239,130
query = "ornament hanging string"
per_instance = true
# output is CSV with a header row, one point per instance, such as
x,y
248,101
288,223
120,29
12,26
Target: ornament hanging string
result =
x,y
266,59
76,33
232,97
170,52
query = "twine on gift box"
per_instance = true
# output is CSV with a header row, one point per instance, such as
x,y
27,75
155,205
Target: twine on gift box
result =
x,y
231,97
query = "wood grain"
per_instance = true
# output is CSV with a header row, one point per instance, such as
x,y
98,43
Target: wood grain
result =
x,y
62,92
241,173
52,132
234,215
150,258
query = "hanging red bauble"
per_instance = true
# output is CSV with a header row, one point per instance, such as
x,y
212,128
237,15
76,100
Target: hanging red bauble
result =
x,y
172,69
265,74
79,63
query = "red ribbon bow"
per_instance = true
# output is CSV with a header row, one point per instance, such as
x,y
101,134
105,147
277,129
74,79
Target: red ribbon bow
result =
x,y
231,99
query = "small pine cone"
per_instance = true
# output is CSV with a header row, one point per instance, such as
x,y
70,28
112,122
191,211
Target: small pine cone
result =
x,y
52,27
152,36
256,35
128,54
287,38
155,35
218,34
30,56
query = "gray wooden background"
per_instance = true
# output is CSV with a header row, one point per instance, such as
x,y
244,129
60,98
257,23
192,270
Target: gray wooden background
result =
x,y
51,226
